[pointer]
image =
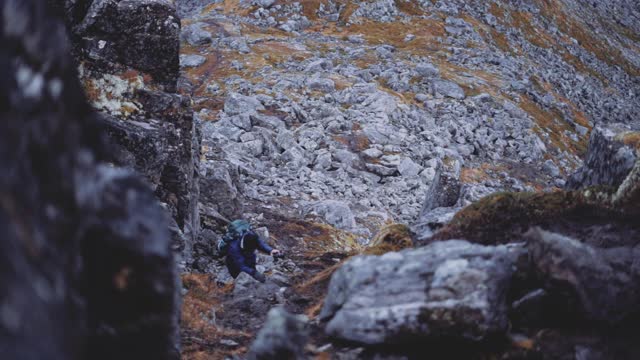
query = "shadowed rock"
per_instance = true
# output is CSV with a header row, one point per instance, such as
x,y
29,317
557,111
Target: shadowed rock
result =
x,y
85,263
128,52
606,281
283,336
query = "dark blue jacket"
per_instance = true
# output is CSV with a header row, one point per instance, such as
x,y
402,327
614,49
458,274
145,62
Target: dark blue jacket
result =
x,y
241,255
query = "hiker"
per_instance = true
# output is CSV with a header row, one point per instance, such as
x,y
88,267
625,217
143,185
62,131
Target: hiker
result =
x,y
239,246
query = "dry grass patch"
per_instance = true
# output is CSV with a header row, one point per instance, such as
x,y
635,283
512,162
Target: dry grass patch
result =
x,y
553,122
631,138
236,7
427,32
409,7
200,336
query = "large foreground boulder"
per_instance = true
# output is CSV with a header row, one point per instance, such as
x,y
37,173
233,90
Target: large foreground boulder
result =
x,y
448,289
86,269
605,281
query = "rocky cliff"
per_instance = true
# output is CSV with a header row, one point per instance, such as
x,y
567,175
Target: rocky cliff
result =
x,y
128,63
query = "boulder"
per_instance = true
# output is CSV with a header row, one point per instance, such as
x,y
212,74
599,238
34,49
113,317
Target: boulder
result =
x,y
608,161
447,289
195,35
334,212
283,336
409,168
237,104
448,89
187,61
605,280
445,188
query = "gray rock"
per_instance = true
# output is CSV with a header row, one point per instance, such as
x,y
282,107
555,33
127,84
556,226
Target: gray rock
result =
x,y
409,168
195,35
449,89
451,288
321,84
372,153
381,170
265,3
445,188
283,336
192,60
346,157
427,70
336,213
240,104
551,168
295,157
608,161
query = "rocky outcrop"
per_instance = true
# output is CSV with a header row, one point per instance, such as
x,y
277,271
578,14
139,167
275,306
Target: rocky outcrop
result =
x,y
608,160
283,336
87,268
449,289
128,52
441,199
139,34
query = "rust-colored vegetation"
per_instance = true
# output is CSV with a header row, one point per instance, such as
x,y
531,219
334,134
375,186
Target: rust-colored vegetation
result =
x,y
502,217
200,334
553,123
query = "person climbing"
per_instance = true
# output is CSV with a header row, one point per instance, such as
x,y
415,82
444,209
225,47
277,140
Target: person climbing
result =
x,y
239,245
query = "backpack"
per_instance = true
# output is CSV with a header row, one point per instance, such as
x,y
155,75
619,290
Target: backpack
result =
x,y
236,230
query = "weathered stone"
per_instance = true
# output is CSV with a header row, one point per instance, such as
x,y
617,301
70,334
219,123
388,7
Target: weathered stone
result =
x,y
449,89
140,34
240,104
82,243
409,168
608,161
335,213
605,281
445,188
195,35
192,60
283,336
452,288
321,84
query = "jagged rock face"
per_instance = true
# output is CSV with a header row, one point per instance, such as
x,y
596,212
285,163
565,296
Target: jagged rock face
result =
x,y
604,280
129,67
139,34
448,289
608,161
87,269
